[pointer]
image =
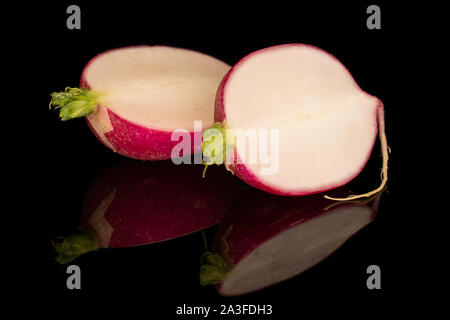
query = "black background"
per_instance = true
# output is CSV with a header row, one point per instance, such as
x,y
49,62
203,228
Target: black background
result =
x,y
65,157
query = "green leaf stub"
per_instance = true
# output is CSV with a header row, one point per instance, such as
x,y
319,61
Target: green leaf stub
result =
x,y
214,269
73,246
214,144
74,102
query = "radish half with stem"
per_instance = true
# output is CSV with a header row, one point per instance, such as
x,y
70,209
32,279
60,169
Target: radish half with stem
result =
x,y
265,239
326,124
134,97
135,203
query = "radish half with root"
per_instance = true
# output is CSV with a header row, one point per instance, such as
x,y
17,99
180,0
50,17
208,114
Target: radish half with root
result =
x,y
133,98
265,239
324,126
135,203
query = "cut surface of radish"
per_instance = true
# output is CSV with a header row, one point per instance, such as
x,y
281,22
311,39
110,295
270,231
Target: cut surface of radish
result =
x,y
157,87
139,95
327,125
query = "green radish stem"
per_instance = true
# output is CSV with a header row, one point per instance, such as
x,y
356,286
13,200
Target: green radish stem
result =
x,y
74,102
71,247
213,147
214,269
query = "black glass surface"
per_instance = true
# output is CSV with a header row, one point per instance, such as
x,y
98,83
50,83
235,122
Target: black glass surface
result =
x,y
66,158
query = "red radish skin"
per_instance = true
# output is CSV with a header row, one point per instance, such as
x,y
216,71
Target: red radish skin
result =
x,y
257,220
185,75
133,140
241,169
136,203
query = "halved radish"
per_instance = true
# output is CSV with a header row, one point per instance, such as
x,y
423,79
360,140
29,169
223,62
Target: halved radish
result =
x,y
135,97
135,203
265,239
326,124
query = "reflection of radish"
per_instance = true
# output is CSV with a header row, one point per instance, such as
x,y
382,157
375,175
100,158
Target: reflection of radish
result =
x,y
135,97
327,124
265,239
137,203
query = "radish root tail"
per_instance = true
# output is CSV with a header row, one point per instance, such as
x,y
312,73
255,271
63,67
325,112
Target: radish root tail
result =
x,y
385,150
